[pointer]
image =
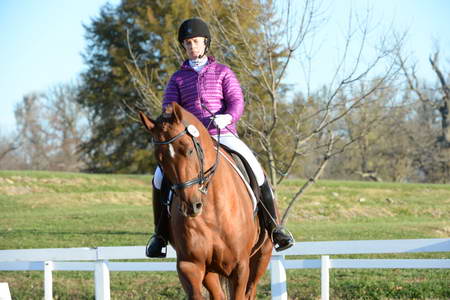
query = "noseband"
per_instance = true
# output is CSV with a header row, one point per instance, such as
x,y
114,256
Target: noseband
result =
x,y
203,177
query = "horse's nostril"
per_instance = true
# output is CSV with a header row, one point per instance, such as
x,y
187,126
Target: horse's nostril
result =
x,y
195,208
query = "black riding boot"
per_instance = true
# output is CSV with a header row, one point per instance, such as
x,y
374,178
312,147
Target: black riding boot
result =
x,y
159,239
281,238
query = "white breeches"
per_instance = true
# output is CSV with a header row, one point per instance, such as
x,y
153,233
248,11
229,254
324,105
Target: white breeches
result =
x,y
235,144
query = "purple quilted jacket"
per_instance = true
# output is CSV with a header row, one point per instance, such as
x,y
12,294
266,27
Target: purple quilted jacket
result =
x,y
215,86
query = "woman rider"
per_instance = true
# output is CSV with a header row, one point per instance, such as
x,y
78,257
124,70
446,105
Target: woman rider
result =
x,y
209,90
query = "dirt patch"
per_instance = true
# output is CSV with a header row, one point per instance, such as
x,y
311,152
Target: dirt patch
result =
x,y
87,199
6,181
50,180
352,212
21,190
444,231
132,198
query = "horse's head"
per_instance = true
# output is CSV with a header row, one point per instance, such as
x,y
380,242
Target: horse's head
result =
x,y
180,140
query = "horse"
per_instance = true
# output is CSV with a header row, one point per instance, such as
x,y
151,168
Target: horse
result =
x,y
213,228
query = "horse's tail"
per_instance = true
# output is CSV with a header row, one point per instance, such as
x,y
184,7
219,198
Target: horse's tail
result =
x,y
227,286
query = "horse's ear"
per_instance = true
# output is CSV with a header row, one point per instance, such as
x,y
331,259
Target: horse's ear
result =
x,y
148,123
177,111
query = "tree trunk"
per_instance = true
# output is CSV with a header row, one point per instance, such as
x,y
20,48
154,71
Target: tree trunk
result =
x,y
443,110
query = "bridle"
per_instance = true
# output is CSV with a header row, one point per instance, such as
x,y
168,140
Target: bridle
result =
x,y
203,177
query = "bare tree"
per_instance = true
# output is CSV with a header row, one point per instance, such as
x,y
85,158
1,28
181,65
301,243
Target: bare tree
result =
x,y
285,32
434,158
287,134
382,149
68,126
9,144
438,98
32,132
50,128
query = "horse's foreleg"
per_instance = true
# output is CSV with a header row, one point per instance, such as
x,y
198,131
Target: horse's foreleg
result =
x,y
191,276
212,284
240,277
258,266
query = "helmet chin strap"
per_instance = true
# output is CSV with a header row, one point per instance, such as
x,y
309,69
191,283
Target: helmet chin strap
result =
x,y
206,49
201,55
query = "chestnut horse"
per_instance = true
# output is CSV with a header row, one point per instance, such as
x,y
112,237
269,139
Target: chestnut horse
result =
x,y
213,227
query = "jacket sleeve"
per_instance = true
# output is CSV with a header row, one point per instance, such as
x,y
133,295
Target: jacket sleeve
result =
x,y
171,93
233,96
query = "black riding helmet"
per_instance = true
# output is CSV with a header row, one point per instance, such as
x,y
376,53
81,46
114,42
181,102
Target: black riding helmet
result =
x,y
193,28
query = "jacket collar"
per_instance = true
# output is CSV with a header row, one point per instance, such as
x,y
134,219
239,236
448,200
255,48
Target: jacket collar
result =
x,y
186,66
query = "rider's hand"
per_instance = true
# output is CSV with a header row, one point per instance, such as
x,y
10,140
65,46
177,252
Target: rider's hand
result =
x,y
222,121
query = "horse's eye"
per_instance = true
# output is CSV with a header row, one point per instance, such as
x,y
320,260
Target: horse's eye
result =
x,y
189,152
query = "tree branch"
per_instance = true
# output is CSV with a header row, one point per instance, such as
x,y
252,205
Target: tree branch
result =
x,y
311,180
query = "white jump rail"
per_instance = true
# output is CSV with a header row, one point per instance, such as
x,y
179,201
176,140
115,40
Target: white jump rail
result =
x,y
99,260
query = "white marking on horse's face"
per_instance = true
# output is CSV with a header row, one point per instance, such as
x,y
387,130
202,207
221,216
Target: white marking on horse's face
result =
x,y
171,151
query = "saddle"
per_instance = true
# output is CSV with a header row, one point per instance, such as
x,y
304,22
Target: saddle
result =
x,y
246,170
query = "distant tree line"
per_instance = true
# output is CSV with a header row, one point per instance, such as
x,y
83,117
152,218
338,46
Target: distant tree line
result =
x,y
50,127
375,120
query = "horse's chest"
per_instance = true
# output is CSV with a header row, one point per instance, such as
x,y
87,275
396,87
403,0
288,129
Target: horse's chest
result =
x,y
208,247
224,261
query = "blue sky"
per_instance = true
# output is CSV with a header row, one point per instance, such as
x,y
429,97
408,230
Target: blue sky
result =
x,y
41,40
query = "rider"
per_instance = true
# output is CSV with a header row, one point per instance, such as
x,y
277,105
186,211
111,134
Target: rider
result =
x,y
204,87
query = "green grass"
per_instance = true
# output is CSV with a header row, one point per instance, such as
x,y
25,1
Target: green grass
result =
x,y
51,210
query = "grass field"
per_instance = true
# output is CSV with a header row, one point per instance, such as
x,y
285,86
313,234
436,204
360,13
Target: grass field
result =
x,y
51,210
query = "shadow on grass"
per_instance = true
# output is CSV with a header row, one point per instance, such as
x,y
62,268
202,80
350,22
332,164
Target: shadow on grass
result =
x,y
98,232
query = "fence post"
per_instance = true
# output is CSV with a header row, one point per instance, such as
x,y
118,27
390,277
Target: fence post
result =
x,y
278,278
48,280
4,291
325,277
102,286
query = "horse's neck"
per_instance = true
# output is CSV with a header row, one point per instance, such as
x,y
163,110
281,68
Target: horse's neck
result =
x,y
228,178
210,148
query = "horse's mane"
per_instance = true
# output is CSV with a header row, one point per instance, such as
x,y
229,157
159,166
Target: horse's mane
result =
x,y
164,118
175,111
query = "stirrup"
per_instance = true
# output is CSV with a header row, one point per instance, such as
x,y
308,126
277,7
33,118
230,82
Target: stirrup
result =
x,y
288,242
156,247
